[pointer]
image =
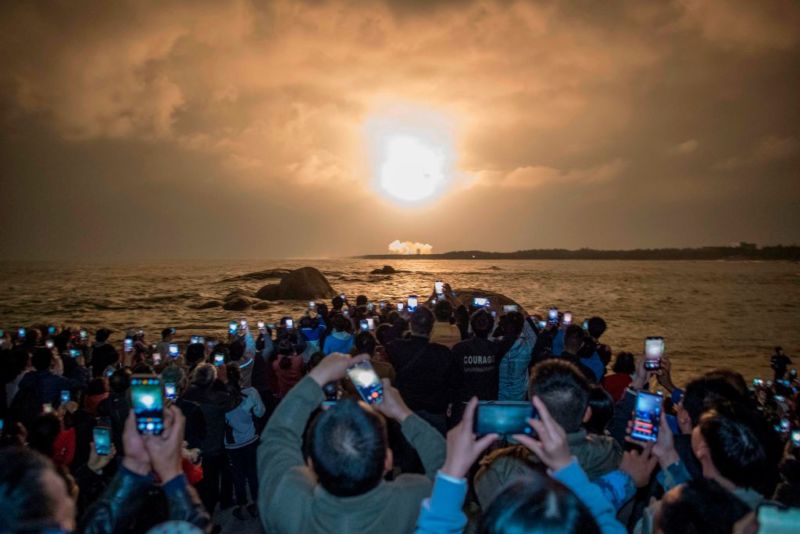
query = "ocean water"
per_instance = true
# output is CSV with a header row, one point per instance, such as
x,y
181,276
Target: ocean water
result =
x,y
712,314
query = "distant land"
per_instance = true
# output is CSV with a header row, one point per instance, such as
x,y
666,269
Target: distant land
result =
x,y
743,251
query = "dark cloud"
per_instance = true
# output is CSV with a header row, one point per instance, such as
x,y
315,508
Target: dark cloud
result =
x,y
236,129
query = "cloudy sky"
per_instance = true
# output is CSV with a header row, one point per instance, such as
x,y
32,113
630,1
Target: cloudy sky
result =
x,y
249,129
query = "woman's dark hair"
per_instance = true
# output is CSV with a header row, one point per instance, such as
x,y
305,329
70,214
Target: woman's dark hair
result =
x,y
120,381
537,504
625,363
25,504
602,405
365,342
285,352
386,333
234,383
340,323
43,433
700,506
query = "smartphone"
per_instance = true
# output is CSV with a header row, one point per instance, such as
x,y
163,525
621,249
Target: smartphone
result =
x,y
400,306
773,519
542,325
795,438
653,350
233,327
65,396
2,425
102,440
363,325
647,416
289,324
156,358
84,335
127,345
381,305
371,323
312,305
51,330
786,425
49,344
504,418
567,320
412,303
219,359
243,324
439,287
174,350
74,353
169,391
343,296
508,308
552,315
197,339
480,302
366,382
370,306
758,382
47,408
21,333
147,401
585,325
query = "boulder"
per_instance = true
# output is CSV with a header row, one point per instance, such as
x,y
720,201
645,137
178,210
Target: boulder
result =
x,y
237,293
237,304
263,305
497,300
259,275
387,269
207,305
306,283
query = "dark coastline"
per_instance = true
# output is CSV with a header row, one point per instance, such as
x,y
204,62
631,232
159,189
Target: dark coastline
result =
x,y
744,252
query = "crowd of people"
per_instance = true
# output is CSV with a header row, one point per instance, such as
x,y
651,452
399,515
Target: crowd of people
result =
x,y
266,423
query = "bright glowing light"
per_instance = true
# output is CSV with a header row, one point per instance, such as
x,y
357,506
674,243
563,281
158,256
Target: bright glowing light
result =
x,y
412,152
147,400
411,171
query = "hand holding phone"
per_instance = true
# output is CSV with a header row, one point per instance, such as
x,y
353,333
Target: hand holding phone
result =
x,y
647,417
504,418
653,351
412,303
102,440
438,287
147,402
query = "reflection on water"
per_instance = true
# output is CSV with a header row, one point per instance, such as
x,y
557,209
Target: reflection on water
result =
x,y
711,313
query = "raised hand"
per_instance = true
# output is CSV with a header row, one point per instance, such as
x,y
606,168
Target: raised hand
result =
x,y
550,444
96,461
639,465
462,446
393,404
334,367
664,449
135,457
166,450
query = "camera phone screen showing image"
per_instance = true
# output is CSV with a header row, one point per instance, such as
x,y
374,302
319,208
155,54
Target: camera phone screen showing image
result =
x,y
366,382
647,417
504,418
148,404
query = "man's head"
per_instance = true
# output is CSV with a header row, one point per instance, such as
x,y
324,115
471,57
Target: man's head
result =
x,y
625,363
120,380
564,390
421,322
365,343
443,311
175,375
101,336
361,300
596,327
195,353
32,493
700,506
700,394
167,333
728,446
204,375
573,339
236,351
339,323
42,359
337,302
348,449
481,323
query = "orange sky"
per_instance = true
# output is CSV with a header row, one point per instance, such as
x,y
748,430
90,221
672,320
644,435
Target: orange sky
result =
x,y
203,129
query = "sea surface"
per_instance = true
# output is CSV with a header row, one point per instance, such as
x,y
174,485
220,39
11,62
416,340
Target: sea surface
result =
x,y
712,314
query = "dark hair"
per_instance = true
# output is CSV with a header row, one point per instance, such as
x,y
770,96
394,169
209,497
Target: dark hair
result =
x,y
596,327
735,447
482,323
195,353
102,335
347,444
563,389
731,377
443,311
421,322
337,302
285,351
361,300
120,380
386,333
340,323
573,333
537,504
236,351
625,363
700,506
365,343
204,375
97,386
512,324
702,393
602,405
234,383
25,504
42,359
167,332
43,432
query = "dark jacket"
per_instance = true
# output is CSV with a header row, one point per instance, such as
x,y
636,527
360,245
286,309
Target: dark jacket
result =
x,y
214,403
195,422
48,386
116,408
425,373
117,509
476,369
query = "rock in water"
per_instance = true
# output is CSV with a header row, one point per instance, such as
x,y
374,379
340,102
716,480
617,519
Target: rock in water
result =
x,y
207,305
260,275
237,304
306,283
498,300
387,269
